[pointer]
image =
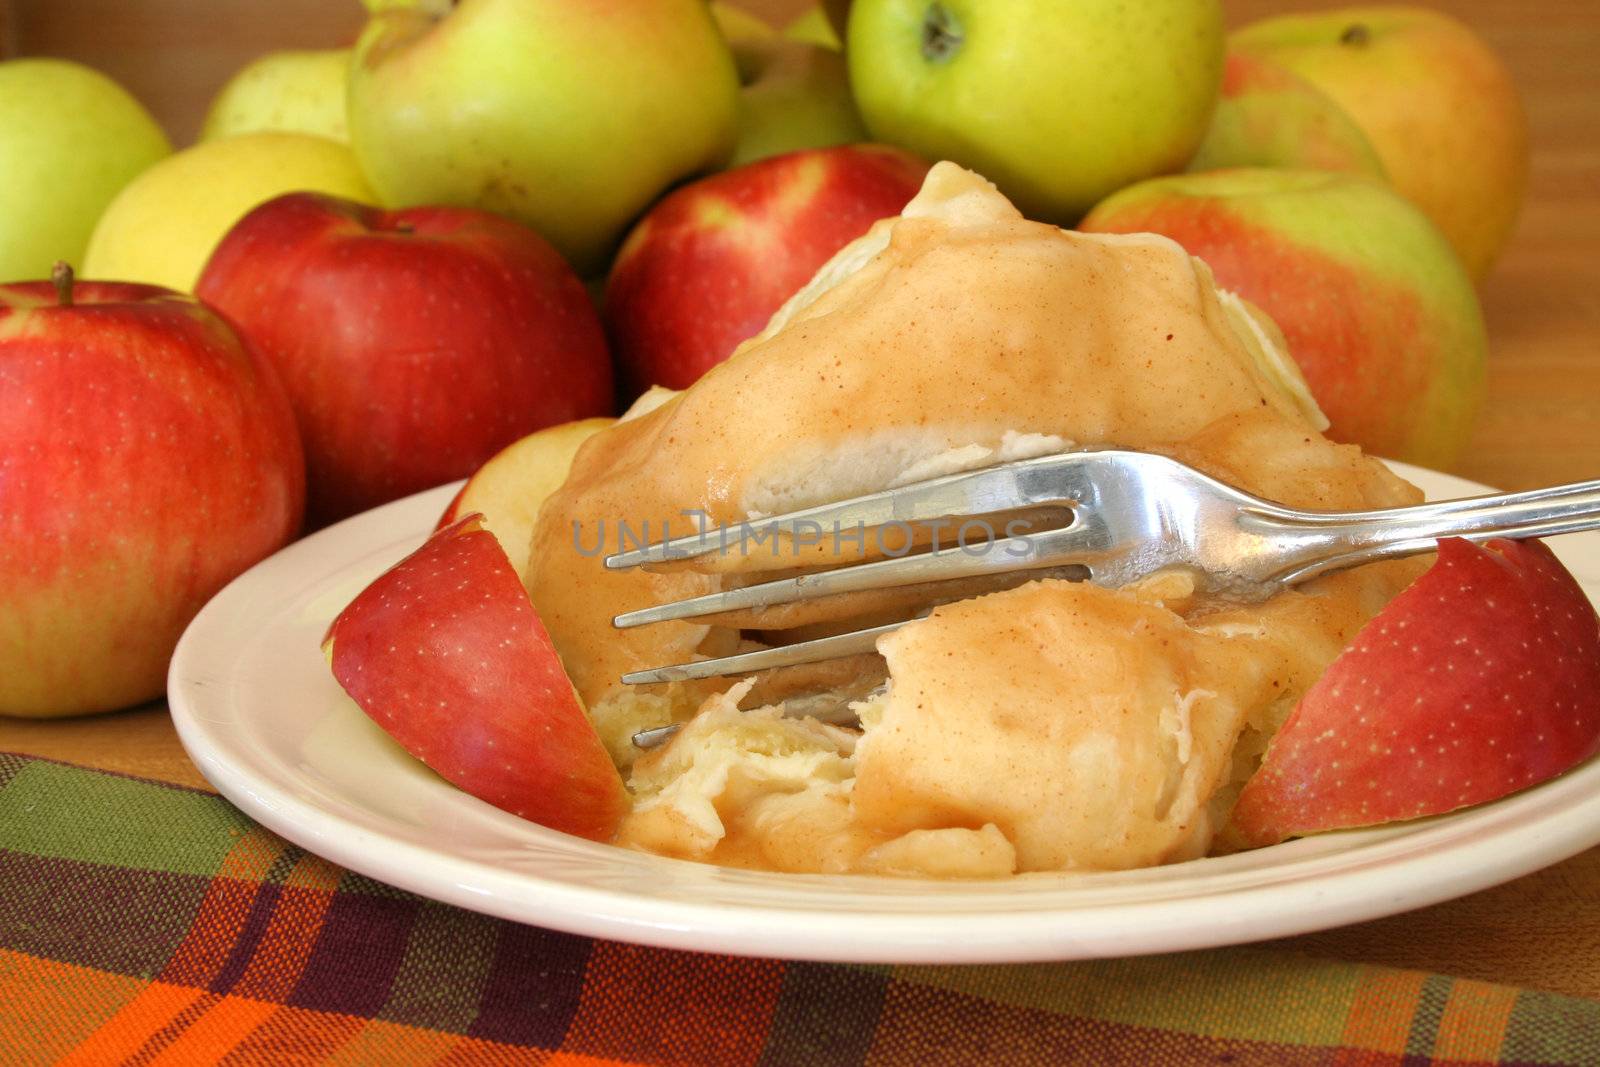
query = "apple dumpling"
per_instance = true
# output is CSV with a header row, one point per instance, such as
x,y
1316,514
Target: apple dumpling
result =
x,y
1049,726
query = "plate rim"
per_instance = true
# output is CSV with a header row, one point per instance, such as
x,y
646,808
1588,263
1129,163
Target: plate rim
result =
x,y
1354,893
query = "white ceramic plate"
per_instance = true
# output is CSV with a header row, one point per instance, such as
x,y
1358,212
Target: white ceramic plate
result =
x,y
260,714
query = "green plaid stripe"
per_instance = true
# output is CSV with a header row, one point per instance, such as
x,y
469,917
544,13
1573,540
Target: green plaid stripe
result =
x,y
445,970
155,828
1549,1028
136,915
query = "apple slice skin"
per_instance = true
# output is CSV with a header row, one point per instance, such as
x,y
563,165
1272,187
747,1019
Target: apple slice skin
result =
x,y
1481,678
445,652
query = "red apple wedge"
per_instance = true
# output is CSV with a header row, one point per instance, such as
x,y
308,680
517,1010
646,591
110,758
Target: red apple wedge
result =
x,y
445,652
508,489
1480,679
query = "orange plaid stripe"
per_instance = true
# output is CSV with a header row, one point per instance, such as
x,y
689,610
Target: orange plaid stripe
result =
x,y
278,958
1378,1022
286,945
1473,1026
219,1025
213,933
135,1026
292,1035
223,911
572,1059
47,1008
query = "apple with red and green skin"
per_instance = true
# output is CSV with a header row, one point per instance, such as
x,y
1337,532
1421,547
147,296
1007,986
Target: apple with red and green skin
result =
x,y
710,263
446,654
414,344
1481,678
1438,105
1377,309
508,490
1270,117
147,457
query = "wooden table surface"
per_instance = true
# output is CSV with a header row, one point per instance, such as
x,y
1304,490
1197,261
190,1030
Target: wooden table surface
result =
x,y
1542,422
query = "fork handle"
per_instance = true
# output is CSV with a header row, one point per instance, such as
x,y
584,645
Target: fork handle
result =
x,y
1318,543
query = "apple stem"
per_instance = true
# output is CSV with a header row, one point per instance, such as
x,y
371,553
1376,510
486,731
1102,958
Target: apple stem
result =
x,y
941,33
61,274
1355,35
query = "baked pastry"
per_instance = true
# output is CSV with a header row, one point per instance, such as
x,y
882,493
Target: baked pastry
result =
x,y
1054,725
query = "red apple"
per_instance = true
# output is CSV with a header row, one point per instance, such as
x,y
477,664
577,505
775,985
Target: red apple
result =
x,y
711,262
147,456
445,652
415,344
1480,679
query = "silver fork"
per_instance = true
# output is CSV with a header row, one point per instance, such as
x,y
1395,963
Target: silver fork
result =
x,y
1130,515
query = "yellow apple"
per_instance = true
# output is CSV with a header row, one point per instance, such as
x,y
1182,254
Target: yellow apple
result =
x,y
1437,104
70,139
163,227
295,92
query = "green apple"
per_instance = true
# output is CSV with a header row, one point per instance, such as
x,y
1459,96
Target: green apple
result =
x,y
813,26
793,95
1058,104
70,139
747,36
296,92
800,98
162,228
567,118
1438,105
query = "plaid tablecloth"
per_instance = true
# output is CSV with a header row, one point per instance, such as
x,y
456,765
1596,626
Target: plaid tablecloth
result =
x,y
147,923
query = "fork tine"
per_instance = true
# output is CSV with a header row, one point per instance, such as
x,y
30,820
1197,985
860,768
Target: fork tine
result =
x,y
1004,487
1077,543
847,644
